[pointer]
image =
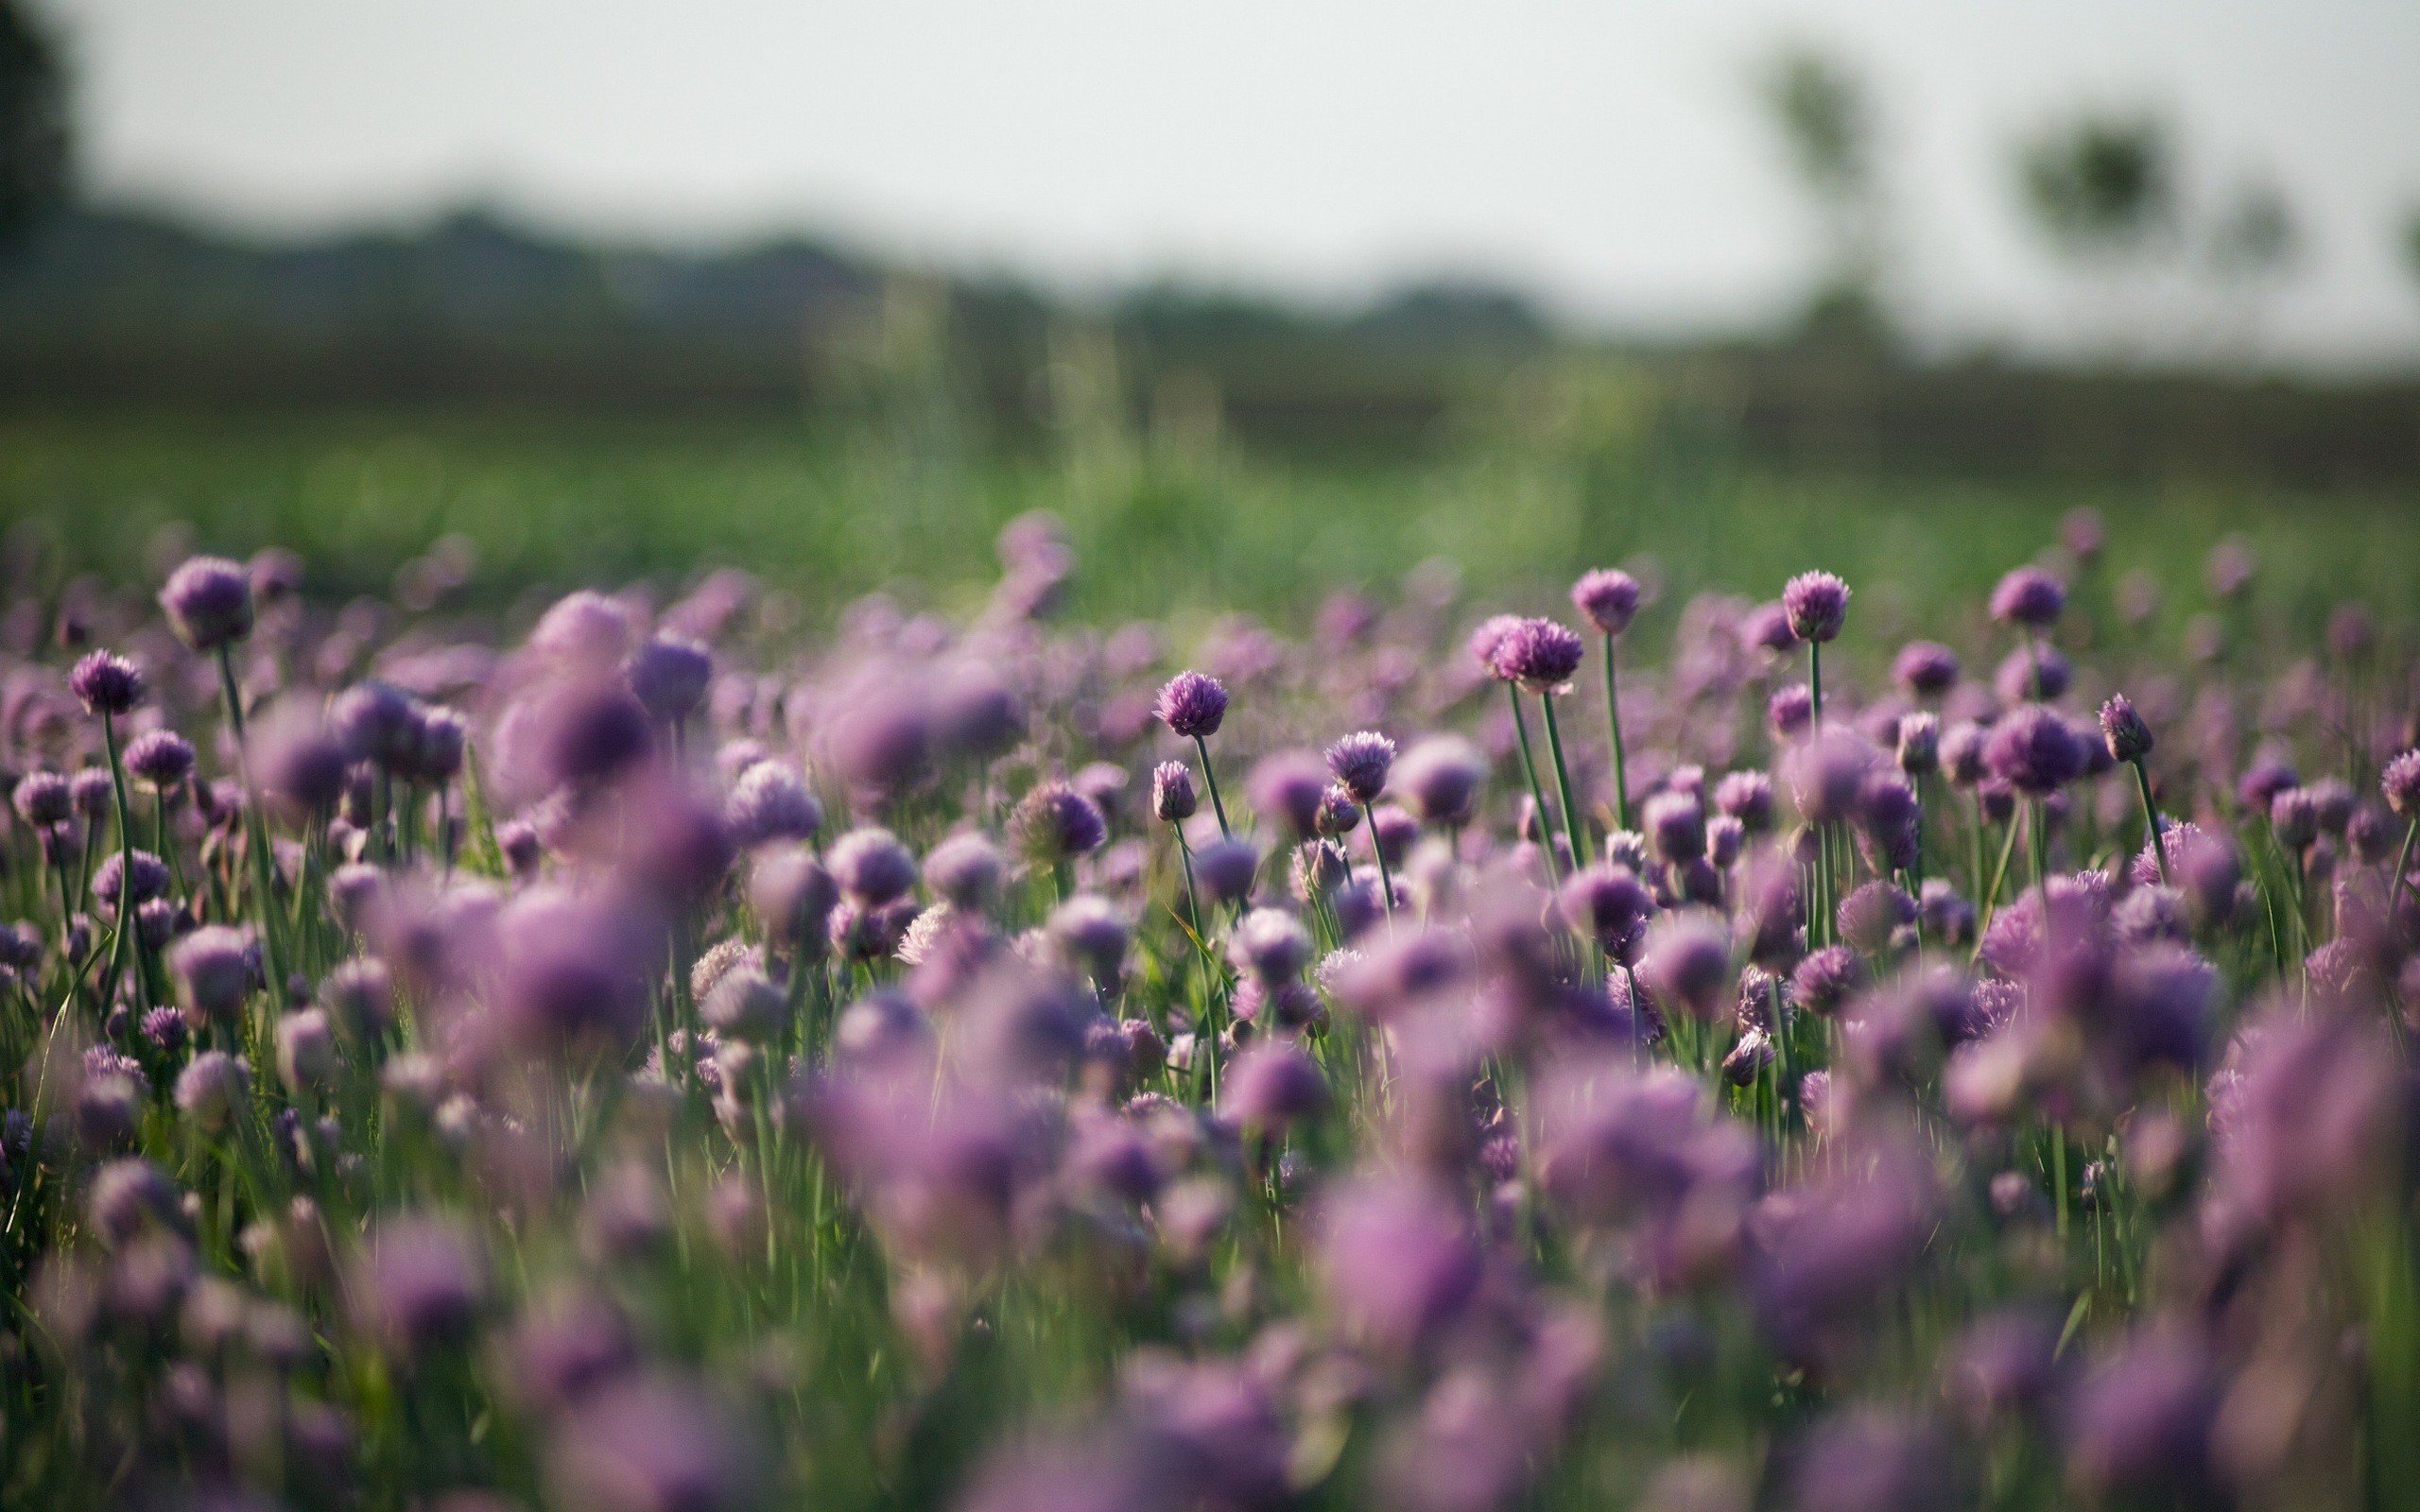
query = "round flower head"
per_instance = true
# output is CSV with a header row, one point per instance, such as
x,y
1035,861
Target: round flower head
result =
x,y
1609,904
106,684
90,789
1438,779
1823,982
1827,776
1273,1086
2122,729
209,602
139,874
1920,744
2033,750
1287,786
420,1286
1193,704
1791,711
2035,674
1928,669
214,970
1487,635
1055,823
585,628
1270,944
1766,627
872,866
375,722
1173,797
1094,934
1607,598
306,1051
1361,762
2401,785
210,1087
794,895
1675,827
299,763
770,803
44,799
1225,869
670,677
161,759
440,741
1747,797
1817,603
744,1005
1872,916
1338,814
1539,654
1686,963
966,871
2030,597
2294,814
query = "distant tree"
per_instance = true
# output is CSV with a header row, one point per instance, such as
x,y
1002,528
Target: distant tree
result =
x,y
1826,119
33,121
2101,186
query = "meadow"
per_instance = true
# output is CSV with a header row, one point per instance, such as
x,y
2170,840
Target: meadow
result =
x,y
1128,974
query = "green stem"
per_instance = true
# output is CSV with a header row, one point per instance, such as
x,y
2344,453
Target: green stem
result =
x,y
1571,830
255,832
1386,878
1538,792
1614,723
2402,860
1210,780
1815,684
2151,817
125,862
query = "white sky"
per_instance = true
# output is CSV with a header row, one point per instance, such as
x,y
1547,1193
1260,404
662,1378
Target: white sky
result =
x,y
1609,156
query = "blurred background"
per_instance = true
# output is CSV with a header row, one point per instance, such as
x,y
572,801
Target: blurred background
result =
x,y
475,300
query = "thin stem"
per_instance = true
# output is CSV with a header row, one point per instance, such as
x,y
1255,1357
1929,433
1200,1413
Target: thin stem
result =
x,y
255,832
1613,723
1538,792
2402,860
1815,684
1210,780
2151,817
1386,878
1571,830
124,862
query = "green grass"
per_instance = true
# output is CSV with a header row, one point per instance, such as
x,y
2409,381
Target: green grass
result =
x,y
1158,528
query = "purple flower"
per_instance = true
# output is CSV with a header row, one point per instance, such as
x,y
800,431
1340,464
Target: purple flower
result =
x,y
769,804
2401,785
1273,1086
299,763
745,1006
1193,704
209,602
587,732
1438,779
1747,797
419,1287
210,1087
44,797
1827,775
1675,827
1826,980
161,758
1818,606
106,684
139,874
1686,963
2122,729
585,629
2034,674
1270,944
655,1444
670,677
965,870
1225,870
214,967
1873,1459
1607,598
1397,1262
1054,823
574,973
872,866
1928,669
2141,1423
1766,627
2034,751
1173,797
1287,786
1486,637
1539,654
1361,762
1791,711
2030,597
1609,904
1872,916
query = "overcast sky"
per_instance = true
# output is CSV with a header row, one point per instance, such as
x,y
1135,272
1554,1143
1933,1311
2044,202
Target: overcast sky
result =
x,y
1609,156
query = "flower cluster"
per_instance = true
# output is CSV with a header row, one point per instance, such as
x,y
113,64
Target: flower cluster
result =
x,y
654,1063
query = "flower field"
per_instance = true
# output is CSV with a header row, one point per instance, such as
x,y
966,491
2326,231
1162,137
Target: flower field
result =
x,y
672,1054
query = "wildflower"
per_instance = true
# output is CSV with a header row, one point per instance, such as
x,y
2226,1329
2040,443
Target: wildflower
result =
x,y
1360,762
1193,704
1817,603
2030,598
1538,654
106,684
209,602
1607,598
